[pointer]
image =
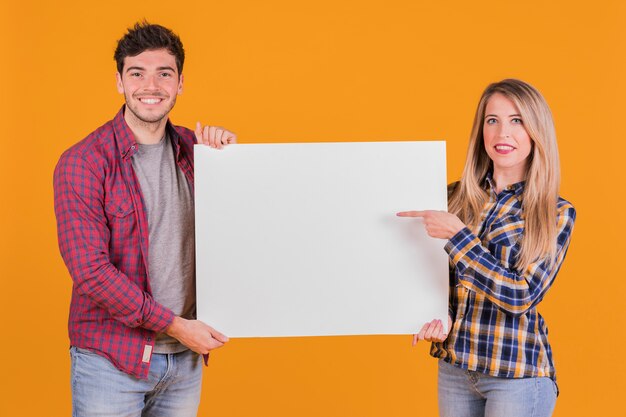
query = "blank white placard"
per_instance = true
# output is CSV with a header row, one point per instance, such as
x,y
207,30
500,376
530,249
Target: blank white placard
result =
x,y
302,239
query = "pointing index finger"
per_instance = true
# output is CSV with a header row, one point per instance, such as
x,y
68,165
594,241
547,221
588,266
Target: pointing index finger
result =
x,y
413,213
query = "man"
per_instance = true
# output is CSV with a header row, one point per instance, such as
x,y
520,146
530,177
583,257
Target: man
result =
x,y
125,218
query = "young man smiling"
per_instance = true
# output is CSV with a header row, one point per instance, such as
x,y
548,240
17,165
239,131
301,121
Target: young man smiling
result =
x,y
125,219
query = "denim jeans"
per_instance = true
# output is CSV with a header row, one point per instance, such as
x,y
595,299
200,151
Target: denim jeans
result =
x,y
99,389
465,393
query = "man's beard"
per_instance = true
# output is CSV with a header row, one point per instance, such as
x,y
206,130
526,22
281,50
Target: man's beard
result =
x,y
151,118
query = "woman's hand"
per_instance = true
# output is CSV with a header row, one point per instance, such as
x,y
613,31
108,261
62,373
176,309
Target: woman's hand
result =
x,y
433,332
439,224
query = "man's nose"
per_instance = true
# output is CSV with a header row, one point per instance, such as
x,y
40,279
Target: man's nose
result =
x,y
152,83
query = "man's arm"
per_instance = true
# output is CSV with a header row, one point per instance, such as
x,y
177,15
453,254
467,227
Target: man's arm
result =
x,y
84,244
84,241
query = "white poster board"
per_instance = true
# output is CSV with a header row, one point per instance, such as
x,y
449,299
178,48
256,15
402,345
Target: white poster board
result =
x,y
303,239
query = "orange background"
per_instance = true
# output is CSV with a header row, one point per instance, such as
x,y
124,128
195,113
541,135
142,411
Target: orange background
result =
x,y
319,71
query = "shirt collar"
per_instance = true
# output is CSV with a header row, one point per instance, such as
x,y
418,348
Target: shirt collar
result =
x,y
517,188
125,137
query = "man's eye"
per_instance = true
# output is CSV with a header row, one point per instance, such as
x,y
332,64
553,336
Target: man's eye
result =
x,y
135,74
166,75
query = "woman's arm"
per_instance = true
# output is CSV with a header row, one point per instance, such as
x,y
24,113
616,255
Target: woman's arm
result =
x,y
512,291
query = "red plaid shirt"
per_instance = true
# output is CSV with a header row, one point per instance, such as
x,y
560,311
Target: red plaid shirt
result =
x,y
103,238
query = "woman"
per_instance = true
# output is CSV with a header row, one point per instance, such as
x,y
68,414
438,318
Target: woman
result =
x,y
508,231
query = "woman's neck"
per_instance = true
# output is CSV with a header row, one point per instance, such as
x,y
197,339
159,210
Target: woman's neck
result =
x,y
504,177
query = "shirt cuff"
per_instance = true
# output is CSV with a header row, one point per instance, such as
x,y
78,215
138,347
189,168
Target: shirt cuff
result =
x,y
159,320
463,248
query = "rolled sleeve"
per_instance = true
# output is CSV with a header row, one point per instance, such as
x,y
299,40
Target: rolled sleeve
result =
x,y
511,291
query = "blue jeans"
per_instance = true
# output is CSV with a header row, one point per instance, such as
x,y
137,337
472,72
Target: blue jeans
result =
x,y
465,393
172,389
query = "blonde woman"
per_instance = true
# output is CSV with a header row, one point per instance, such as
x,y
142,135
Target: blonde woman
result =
x,y
508,232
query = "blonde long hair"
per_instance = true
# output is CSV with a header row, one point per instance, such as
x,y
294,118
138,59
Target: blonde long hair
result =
x,y
541,190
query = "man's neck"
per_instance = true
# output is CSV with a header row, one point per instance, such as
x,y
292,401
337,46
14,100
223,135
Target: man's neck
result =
x,y
146,133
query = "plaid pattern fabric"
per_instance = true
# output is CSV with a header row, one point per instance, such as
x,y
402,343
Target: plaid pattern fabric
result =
x,y
102,229
496,327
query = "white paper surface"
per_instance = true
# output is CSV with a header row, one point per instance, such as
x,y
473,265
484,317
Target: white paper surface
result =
x,y
303,240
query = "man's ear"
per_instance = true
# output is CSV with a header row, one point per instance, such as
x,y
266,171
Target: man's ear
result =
x,y
180,84
119,83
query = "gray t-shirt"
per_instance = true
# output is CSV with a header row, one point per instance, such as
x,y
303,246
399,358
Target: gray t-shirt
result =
x,y
171,258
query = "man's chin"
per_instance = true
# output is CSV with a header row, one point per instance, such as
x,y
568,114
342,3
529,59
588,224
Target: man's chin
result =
x,y
148,118
154,119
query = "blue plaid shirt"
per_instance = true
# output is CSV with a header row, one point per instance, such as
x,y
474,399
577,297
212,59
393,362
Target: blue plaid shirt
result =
x,y
496,328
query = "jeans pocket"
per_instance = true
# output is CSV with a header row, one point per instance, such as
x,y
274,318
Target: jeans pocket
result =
x,y
555,387
547,386
83,351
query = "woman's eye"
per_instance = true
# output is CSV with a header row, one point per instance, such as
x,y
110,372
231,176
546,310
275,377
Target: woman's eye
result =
x,y
490,121
517,120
